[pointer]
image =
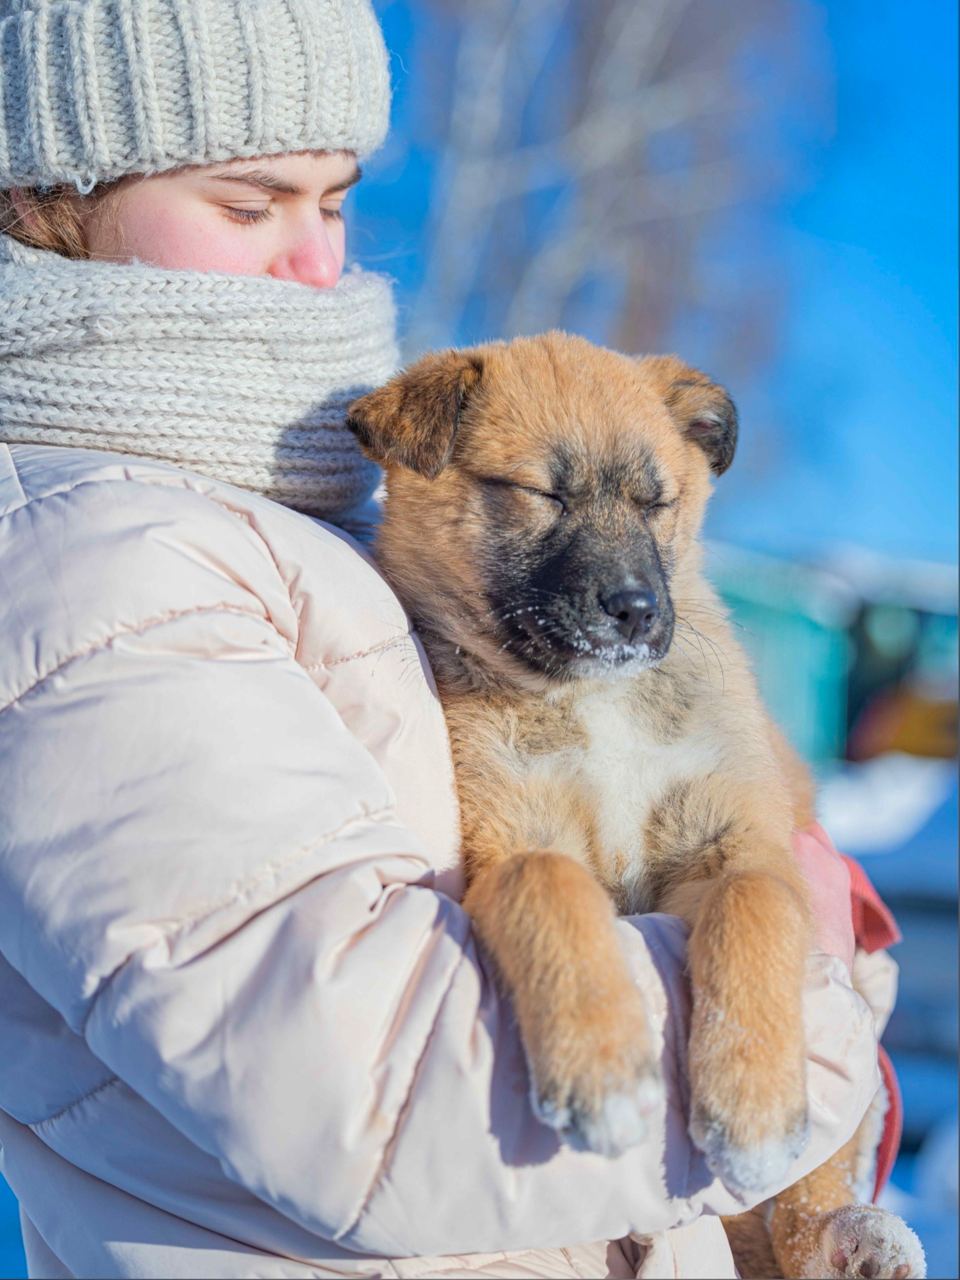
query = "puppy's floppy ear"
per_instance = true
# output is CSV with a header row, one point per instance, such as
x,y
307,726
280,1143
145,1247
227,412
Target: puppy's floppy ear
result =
x,y
701,409
411,421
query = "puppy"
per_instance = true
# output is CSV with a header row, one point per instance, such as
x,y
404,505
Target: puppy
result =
x,y
544,500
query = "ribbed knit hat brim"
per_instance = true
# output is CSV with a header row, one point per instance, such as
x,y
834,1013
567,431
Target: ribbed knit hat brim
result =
x,y
93,90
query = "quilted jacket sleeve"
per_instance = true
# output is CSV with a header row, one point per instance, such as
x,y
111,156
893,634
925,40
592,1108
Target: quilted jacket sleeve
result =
x,y
201,869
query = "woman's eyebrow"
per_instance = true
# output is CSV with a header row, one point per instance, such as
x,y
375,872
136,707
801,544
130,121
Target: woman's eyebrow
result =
x,y
259,178
270,182
350,181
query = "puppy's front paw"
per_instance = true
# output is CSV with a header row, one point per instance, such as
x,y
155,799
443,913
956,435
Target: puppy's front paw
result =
x,y
749,1105
605,1118
596,1080
744,1163
862,1242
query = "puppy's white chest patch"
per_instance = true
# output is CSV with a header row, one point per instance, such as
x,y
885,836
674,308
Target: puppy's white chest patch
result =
x,y
627,771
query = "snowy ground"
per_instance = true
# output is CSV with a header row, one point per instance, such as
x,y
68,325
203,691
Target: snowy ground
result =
x,y
899,816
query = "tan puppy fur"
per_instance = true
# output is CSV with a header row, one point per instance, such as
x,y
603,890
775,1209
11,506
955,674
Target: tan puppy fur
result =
x,y
544,501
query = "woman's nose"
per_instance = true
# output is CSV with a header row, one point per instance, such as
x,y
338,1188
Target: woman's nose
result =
x,y
310,259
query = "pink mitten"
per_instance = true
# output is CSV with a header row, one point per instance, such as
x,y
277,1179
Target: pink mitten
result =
x,y
828,882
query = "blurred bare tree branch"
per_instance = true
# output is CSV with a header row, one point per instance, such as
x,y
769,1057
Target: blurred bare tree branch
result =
x,y
584,149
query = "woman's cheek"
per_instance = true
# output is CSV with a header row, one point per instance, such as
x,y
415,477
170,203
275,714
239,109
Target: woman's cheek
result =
x,y
202,241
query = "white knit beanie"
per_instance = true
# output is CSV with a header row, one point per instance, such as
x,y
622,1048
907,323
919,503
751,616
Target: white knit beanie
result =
x,y
92,90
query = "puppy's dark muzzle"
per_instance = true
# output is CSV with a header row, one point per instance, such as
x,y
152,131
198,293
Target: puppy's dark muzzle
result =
x,y
634,616
634,610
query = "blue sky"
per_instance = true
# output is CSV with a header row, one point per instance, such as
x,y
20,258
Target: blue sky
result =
x,y
857,407
867,378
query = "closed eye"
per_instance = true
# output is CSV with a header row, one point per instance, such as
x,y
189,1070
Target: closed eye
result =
x,y
247,216
499,481
651,508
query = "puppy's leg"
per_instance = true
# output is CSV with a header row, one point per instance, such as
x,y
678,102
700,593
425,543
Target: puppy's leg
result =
x,y
549,927
746,957
721,849
716,850
819,1231
749,1238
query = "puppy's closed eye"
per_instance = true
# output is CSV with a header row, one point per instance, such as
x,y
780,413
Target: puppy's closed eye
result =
x,y
555,500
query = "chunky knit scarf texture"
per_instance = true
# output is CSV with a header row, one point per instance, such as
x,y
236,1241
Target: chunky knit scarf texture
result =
x,y
242,378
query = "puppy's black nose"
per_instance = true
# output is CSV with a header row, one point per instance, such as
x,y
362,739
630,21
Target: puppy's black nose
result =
x,y
635,611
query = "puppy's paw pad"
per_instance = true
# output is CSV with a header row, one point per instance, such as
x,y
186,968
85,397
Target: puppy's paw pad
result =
x,y
861,1242
758,1166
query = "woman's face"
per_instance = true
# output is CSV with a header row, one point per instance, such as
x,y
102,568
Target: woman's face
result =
x,y
275,216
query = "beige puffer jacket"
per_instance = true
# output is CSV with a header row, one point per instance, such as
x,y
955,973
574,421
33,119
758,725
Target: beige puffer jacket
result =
x,y
246,1030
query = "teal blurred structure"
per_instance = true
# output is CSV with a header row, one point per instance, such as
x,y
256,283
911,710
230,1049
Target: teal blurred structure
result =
x,y
829,643
794,622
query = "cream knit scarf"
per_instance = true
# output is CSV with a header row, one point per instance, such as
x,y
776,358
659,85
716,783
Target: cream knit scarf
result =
x,y
243,378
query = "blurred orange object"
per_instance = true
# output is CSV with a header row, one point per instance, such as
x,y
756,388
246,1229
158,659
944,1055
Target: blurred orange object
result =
x,y
905,718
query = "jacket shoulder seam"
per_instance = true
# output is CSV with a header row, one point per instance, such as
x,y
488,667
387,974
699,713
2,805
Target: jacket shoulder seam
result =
x,y
39,1125
268,870
176,480
381,647
141,628
62,490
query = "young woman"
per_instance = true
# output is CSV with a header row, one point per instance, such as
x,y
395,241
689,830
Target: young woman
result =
x,y
245,1027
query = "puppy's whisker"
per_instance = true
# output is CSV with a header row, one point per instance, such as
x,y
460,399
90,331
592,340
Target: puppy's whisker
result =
x,y
701,639
695,607
717,649
679,638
